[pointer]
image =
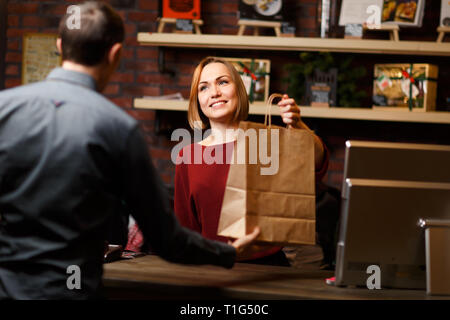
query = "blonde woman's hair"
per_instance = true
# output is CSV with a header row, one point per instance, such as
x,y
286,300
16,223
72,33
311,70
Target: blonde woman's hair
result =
x,y
195,114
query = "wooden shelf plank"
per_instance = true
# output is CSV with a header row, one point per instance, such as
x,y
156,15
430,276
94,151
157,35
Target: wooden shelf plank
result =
x,y
428,48
259,108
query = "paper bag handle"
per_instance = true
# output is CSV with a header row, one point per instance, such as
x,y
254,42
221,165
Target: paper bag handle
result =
x,y
269,108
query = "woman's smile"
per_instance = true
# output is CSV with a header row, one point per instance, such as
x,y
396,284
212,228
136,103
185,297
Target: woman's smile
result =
x,y
218,104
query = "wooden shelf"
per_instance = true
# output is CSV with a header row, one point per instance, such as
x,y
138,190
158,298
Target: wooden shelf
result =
x,y
273,43
428,48
259,108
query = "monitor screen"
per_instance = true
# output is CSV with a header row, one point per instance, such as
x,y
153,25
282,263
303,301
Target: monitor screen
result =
x,y
396,161
385,193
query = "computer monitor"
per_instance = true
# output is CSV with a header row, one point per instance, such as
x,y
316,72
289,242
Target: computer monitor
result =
x,y
383,196
396,161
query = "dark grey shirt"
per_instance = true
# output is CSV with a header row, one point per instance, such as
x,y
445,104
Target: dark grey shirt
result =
x,y
68,158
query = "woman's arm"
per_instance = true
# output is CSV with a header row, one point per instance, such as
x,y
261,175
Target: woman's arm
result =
x,y
290,113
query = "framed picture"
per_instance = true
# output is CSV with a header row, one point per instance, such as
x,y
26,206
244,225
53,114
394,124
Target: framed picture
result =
x,y
260,11
356,11
272,10
181,9
445,13
321,88
399,12
255,74
320,94
405,86
40,56
403,12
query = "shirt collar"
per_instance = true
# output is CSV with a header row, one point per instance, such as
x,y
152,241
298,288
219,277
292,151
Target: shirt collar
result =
x,y
79,78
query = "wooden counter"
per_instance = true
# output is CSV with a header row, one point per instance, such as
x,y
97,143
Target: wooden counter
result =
x,y
150,277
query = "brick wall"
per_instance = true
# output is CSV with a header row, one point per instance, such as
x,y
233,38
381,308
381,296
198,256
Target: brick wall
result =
x,y
138,73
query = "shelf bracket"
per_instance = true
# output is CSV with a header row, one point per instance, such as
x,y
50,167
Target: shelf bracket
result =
x,y
162,63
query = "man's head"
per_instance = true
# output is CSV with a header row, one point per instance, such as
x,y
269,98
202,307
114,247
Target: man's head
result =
x,y
97,43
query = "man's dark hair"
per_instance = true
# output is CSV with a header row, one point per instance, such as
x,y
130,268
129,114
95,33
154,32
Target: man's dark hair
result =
x,y
100,28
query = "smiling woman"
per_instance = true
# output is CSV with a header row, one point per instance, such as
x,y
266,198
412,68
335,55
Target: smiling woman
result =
x,y
217,95
216,80
219,102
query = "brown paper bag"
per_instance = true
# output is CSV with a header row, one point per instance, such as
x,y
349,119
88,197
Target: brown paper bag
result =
x,y
281,204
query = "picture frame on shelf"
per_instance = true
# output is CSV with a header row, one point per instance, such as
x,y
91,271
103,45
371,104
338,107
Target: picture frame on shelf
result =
x,y
262,10
445,14
444,21
276,14
183,15
181,9
356,11
403,12
320,95
405,87
321,88
406,13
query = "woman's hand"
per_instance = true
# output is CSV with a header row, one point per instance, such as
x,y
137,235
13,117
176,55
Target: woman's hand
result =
x,y
290,111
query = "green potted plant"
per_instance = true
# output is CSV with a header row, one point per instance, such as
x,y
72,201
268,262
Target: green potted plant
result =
x,y
348,93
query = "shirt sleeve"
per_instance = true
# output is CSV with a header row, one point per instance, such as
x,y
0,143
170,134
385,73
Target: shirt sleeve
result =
x,y
183,205
145,194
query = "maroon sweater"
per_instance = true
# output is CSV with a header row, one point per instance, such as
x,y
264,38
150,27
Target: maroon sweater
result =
x,y
200,187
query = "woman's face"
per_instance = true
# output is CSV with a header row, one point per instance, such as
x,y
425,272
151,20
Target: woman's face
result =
x,y
217,93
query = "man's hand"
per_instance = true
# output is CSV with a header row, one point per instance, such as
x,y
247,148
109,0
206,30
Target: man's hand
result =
x,y
243,246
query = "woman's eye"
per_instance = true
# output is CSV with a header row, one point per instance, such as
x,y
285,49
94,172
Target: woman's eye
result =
x,y
223,82
202,88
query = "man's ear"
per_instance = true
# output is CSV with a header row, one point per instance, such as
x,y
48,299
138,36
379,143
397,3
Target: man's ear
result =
x,y
115,53
59,46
